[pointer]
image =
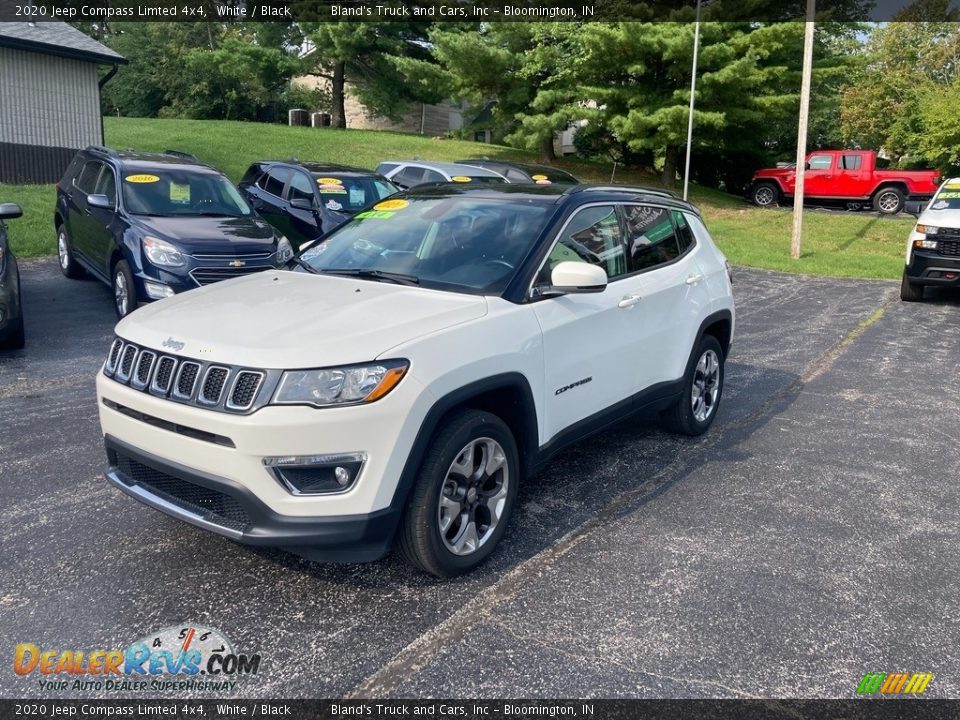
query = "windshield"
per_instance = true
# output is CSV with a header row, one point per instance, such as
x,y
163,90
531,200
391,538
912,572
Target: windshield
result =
x,y
350,194
948,197
180,193
451,243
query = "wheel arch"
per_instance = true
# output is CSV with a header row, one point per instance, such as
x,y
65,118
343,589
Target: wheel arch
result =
x,y
720,326
897,184
506,395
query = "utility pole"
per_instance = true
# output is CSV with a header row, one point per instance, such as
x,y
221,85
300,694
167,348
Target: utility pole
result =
x,y
693,89
802,131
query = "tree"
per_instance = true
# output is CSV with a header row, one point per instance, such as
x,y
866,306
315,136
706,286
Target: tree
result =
x,y
368,56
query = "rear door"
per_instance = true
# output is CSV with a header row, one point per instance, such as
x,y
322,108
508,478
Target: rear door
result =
x,y
268,200
849,178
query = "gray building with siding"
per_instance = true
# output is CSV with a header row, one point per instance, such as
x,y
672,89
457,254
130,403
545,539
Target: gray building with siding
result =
x,y
49,98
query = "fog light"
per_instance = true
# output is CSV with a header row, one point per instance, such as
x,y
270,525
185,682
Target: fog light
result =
x,y
316,474
157,291
925,244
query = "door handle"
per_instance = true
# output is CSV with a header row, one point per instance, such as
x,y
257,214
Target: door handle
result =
x,y
694,279
628,301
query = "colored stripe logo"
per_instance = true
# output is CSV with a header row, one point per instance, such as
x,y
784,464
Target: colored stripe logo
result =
x,y
894,683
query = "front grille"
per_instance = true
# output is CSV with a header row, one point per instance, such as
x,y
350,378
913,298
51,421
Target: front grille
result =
x,y
950,248
186,379
949,232
194,382
213,383
245,389
225,257
207,276
213,505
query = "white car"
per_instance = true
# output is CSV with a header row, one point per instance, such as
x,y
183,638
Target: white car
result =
x,y
406,174
405,376
933,247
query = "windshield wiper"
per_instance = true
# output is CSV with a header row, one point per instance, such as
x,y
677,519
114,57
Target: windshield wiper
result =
x,y
398,278
306,266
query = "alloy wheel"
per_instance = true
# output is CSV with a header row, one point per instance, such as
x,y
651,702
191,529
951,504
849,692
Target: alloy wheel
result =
x,y
121,293
473,496
62,252
763,196
706,386
888,202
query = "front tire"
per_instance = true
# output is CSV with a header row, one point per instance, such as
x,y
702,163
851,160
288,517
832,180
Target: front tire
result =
x,y
765,194
68,263
888,201
694,412
910,292
124,290
464,494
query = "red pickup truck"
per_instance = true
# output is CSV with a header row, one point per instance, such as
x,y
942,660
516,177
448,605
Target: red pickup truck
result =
x,y
849,176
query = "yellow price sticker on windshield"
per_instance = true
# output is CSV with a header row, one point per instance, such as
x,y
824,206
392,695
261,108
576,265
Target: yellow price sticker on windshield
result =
x,y
179,193
952,184
539,177
329,181
397,204
142,178
460,178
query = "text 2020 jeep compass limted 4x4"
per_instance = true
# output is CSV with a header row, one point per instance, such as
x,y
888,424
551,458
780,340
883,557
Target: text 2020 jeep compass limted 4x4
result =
x,y
398,383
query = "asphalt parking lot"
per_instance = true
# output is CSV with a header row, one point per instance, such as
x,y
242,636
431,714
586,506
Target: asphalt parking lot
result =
x,y
810,537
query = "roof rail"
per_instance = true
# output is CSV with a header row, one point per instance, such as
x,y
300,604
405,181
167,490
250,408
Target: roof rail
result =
x,y
104,149
182,155
638,189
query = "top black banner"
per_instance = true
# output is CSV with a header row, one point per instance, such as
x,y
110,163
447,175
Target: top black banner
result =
x,y
473,11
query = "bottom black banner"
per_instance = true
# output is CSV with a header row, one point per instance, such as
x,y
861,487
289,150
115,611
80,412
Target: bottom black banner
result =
x,y
581,709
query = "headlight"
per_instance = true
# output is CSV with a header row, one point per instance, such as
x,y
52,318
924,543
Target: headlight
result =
x,y
162,253
351,385
284,250
927,229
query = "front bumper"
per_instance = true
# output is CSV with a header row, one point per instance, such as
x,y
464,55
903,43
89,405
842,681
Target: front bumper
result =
x,y
930,268
227,508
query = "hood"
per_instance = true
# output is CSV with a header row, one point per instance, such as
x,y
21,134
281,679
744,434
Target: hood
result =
x,y
212,234
287,320
939,218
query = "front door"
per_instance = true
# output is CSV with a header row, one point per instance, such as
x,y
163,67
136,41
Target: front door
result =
x,y
818,179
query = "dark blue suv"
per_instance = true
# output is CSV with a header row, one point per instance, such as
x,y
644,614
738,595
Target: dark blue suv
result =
x,y
155,224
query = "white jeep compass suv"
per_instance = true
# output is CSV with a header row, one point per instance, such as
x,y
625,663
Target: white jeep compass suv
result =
x,y
397,384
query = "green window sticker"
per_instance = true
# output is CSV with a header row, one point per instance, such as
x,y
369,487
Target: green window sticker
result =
x,y
179,193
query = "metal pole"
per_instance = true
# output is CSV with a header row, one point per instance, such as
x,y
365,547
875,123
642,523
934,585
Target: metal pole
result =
x,y
693,89
797,233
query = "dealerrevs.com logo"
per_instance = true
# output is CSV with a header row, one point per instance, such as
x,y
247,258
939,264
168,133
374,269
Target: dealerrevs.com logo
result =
x,y
189,657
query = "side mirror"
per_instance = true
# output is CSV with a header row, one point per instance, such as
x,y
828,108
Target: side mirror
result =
x,y
9,211
913,207
301,204
99,201
578,277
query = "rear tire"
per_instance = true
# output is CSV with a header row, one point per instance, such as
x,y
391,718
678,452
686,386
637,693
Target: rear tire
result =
x,y
15,338
910,292
463,497
124,290
765,194
697,406
68,263
888,201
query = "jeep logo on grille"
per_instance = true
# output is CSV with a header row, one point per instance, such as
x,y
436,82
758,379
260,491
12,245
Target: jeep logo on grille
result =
x,y
173,344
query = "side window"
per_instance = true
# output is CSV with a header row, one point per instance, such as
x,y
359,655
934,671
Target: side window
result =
x,y
107,184
515,176
273,181
409,176
850,162
820,162
87,179
685,237
593,235
651,239
432,176
300,188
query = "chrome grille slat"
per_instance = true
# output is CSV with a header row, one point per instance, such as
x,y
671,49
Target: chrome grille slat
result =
x,y
186,380
163,377
220,257
127,362
209,275
141,376
244,390
210,386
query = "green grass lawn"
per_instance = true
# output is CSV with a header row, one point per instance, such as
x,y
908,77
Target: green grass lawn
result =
x,y
847,245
